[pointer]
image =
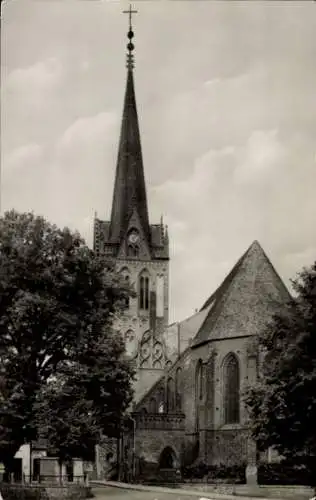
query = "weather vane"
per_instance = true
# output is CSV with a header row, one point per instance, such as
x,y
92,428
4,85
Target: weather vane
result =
x,y
130,35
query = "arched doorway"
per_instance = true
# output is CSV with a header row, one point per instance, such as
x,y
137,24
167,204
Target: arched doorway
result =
x,y
168,459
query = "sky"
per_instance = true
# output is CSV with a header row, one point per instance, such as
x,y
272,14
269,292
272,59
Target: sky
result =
x,y
227,109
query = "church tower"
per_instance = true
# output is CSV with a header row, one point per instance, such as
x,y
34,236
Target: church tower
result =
x,y
139,249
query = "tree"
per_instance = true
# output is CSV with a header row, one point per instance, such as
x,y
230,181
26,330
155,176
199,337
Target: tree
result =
x,y
87,399
282,406
56,298
66,419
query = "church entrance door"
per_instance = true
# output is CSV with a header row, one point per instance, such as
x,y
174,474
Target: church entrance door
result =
x,y
168,464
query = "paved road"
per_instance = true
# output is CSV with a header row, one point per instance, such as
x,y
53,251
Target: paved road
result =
x,y
108,493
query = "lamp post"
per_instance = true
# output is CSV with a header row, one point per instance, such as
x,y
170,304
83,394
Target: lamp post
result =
x,y
134,448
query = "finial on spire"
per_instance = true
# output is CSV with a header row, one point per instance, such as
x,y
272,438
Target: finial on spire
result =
x,y
130,35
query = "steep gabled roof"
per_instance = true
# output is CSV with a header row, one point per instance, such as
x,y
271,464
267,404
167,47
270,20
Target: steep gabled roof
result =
x,y
245,300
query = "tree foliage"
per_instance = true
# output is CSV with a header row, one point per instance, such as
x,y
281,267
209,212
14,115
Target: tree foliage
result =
x,y
282,405
57,304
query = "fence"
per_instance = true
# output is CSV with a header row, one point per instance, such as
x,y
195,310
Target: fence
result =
x,y
45,479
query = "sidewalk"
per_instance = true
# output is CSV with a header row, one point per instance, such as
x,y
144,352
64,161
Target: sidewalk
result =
x,y
178,491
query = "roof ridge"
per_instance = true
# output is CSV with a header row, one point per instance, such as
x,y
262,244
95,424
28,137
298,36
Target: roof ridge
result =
x,y
275,271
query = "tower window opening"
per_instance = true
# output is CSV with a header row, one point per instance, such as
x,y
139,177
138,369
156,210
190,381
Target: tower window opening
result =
x,y
144,293
133,251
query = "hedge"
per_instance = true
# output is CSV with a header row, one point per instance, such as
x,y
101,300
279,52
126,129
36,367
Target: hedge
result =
x,y
28,492
284,474
212,473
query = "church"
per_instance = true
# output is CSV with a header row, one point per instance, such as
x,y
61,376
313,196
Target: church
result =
x,y
188,406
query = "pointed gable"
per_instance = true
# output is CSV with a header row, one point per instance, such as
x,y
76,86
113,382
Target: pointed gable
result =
x,y
246,299
129,189
144,250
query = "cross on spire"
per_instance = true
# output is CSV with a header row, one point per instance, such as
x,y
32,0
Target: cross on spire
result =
x,y
130,12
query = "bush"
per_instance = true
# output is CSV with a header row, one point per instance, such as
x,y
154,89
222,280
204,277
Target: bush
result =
x,y
22,492
27,492
230,473
212,473
195,471
284,474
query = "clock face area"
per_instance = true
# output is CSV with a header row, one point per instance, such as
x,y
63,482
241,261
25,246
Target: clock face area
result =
x,y
133,237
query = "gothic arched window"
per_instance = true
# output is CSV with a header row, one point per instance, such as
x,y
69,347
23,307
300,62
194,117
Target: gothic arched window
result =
x,y
231,378
161,400
170,395
152,406
178,389
198,392
199,380
144,291
130,344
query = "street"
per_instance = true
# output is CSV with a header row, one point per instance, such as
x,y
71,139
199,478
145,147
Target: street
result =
x,y
108,493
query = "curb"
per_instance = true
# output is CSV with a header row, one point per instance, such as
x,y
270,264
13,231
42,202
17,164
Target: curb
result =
x,y
177,491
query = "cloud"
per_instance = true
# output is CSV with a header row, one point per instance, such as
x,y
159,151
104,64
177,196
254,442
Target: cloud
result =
x,y
238,194
89,130
63,180
30,102
83,162
41,76
227,118
263,154
24,179
20,158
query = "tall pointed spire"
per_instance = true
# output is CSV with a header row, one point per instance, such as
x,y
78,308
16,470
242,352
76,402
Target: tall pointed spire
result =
x,y
129,189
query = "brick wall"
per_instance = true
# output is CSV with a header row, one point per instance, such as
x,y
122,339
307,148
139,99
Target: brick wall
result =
x,y
212,442
154,433
226,446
